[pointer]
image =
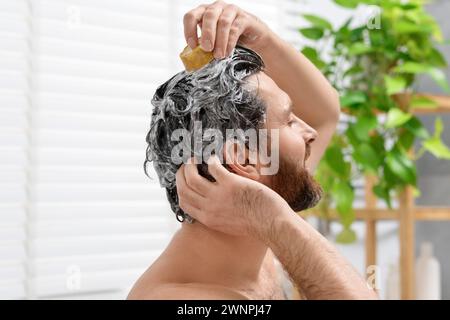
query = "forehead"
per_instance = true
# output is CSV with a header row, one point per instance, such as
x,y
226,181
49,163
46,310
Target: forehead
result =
x,y
278,102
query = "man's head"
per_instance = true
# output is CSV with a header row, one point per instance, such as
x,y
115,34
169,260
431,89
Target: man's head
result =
x,y
232,93
293,181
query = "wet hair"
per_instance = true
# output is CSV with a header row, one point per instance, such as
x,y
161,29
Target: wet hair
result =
x,y
217,96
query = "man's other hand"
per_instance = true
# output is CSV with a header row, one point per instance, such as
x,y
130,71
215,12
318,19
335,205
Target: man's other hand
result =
x,y
233,204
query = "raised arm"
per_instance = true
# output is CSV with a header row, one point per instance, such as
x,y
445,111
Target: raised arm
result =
x,y
315,101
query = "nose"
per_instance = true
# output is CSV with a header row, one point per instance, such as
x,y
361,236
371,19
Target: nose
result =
x,y
310,134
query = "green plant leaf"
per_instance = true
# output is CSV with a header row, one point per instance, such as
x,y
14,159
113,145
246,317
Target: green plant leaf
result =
x,y
396,117
416,192
351,136
353,70
346,236
347,3
344,195
312,33
357,34
406,27
438,127
439,77
414,125
390,178
313,56
436,58
406,139
358,48
366,156
363,126
335,160
401,166
382,193
434,145
437,32
422,103
353,98
437,148
408,6
310,52
394,84
377,142
412,67
318,22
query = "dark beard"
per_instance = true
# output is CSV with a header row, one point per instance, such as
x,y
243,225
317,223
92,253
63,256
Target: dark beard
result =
x,y
296,185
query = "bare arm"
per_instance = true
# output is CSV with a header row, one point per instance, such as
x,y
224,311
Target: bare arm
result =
x,y
313,262
240,206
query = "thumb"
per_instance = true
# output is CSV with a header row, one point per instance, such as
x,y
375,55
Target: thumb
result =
x,y
216,169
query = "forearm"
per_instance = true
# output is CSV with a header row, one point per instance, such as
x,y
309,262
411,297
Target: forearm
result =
x,y
315,101
313,263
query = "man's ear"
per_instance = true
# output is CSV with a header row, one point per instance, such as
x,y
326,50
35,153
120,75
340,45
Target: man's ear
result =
x,y
236,156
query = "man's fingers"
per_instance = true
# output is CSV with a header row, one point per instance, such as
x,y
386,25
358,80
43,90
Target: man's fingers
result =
x,y
236,30
190,21
186,195
223,29
209,26
194,212
216,169
200,184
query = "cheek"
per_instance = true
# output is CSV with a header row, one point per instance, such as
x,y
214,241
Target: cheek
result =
x,y
292,144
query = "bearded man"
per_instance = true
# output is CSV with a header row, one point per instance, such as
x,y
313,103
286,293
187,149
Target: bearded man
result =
x,y
238,205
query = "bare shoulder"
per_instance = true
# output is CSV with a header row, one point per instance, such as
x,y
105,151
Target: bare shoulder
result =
x,y
187,291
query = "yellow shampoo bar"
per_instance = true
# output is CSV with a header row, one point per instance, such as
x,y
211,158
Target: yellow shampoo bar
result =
x,y
196,58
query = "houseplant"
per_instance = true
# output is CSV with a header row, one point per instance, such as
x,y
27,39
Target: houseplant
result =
x,y
375,66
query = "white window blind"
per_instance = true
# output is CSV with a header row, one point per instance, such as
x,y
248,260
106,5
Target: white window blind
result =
x,y
14,88
78,217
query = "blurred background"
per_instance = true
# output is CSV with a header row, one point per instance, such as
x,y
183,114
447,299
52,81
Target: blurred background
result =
x,y
78,217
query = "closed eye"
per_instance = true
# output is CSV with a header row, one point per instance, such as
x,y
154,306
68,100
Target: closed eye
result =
x,y
291,119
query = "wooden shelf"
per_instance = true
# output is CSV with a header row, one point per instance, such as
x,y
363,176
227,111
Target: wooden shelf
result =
x,y
420,213
431,213
443,104
406,215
